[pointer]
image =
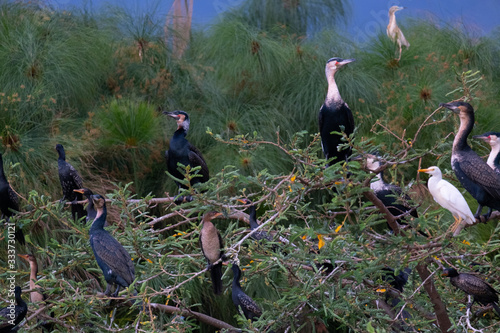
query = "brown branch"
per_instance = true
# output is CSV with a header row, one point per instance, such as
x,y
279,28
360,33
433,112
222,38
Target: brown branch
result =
x,y
391,220
443,321
200,316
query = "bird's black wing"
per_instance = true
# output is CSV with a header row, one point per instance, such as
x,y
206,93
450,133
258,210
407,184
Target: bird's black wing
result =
x,y
114,255
75,176
14,199
249,304
196,159
349,127
480,173
475,286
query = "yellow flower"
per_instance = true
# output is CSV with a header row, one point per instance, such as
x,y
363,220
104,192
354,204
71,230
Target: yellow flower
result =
x,y
293,178
321,242
466,242
338,228
149,260
381,290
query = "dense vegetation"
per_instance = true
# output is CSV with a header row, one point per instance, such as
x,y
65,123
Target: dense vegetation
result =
x,y
253,88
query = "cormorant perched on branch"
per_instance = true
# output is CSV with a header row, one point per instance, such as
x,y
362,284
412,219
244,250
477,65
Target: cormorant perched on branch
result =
x,y
450,198
36,297
241,300
212,247
9,319
252,213
70,180
472,285
183,152
111,256
393,31
9,202
482,182
493,139
333,115
390,194
91,212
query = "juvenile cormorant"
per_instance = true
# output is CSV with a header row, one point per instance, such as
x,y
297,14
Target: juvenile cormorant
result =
x,y
393,31
333,114
391,195
212,247
8,319
241,300
183,152
472,285
36,297
252,213
111,256
91,212
493,139
481,181
450,198
9,202
70,180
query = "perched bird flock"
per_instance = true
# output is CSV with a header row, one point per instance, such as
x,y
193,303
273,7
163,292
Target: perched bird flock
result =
x,y
478,177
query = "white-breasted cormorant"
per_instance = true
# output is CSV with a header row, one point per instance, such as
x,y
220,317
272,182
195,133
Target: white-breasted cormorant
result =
x,y
10,319
481,181
450,198
212,246
493,139
111,256
70,180
472,285
391,195
393,31
183,152
241,300
333,114
91,212
9,202
36,297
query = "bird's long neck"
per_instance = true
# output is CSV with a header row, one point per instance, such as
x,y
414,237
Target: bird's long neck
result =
x,y
333,94
236,278
378,183
33,273
466,125
99,220
392,19
252,212
494,157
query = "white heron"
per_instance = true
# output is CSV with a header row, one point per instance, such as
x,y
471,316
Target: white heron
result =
x,y
450,198
393,31
493,139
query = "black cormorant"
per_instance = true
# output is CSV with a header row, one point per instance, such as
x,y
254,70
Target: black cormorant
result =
x,y
9,202
212,247
183,152
493,139
111,256
391,195
91,212
70,180
472,285
252,213
36,297
241,300
481,181
9,319
333,114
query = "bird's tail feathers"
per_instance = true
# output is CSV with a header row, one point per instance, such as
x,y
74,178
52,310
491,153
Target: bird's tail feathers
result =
x,y
497,308
216,275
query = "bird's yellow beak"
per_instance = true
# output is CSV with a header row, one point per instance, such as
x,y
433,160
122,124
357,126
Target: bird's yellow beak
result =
x,y
423,170
24,256
78,191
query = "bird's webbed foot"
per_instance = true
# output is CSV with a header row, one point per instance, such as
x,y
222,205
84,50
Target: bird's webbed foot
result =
x,y
107,292
115,294
487,215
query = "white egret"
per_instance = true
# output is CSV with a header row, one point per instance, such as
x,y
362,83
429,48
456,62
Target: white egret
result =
x,y
450,198
493,139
